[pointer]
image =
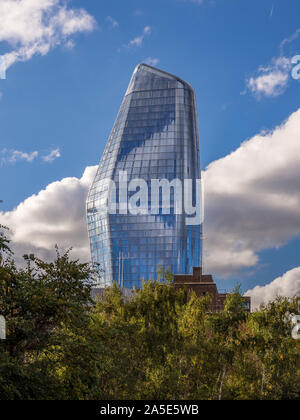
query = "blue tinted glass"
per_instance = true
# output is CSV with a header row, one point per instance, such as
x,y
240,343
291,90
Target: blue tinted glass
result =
x,y
155,136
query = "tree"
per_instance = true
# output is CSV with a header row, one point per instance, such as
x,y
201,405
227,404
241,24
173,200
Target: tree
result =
x,y
277,352
226,328
157,343
38,302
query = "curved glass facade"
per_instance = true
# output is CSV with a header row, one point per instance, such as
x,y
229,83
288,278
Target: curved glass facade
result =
x,y
155,136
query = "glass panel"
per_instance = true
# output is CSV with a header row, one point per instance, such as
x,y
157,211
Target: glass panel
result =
x,y
155,136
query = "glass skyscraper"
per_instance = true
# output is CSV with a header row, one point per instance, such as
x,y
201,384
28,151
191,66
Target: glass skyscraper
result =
x,y
155,136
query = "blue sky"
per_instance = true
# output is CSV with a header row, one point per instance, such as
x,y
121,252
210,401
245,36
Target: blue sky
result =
x,y
65,100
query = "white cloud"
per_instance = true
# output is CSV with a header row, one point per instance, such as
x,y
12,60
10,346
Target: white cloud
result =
x,y
152,61
54,154
113,22
138,41
13,156
272,80
252,199
56,215
288,285
33,27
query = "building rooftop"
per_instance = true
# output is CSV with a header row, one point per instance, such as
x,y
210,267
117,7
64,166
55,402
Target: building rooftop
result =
x,y
203,285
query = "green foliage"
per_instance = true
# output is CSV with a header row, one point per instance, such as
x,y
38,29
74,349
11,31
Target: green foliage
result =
x,y
160,343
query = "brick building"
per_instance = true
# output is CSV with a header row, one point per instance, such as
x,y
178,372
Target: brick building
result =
x,y
203,285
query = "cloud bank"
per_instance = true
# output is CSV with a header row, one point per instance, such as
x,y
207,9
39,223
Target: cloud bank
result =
x,y
288,285
33,27
56,215
252,199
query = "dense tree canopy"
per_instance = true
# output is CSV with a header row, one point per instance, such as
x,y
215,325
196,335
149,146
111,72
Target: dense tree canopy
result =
x,y
158,344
